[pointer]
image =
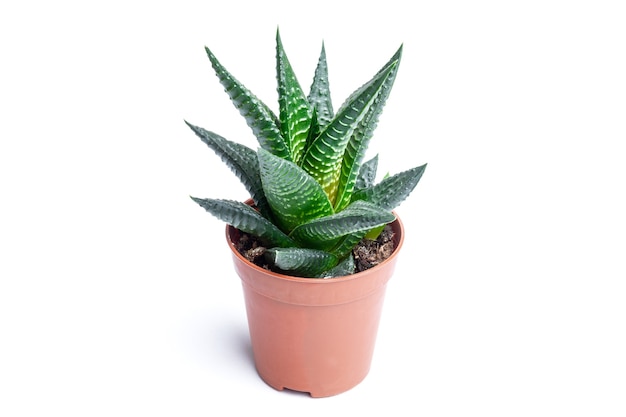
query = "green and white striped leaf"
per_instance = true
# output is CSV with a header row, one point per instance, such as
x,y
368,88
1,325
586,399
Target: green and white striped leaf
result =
x,y
359,141
258,116
391,191
241,160
301,262
314,131
367,174
294,196
347,243
322,233
319,95
295,112
324,157
343,268
246,219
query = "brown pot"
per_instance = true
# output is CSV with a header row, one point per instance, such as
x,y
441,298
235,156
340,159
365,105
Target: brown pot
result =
x,y
313,335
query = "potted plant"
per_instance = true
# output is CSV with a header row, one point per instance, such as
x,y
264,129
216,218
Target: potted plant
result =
x,y
317,241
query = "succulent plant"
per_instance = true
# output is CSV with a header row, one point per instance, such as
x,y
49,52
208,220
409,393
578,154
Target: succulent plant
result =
x,y
315,196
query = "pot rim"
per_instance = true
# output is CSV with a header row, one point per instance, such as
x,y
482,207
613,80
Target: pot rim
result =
x,y
397,224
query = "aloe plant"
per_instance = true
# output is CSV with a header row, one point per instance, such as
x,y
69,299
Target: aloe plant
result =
x,y
315,196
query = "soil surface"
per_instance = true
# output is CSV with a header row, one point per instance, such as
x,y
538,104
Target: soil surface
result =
x,y
367,253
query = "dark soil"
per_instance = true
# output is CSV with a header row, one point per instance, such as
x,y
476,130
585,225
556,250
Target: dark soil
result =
x,y
367,253
251,248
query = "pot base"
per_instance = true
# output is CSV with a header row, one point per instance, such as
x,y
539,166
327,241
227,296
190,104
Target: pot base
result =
x,y
317,393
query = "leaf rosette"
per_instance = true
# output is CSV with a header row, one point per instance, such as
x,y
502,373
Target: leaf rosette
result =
x,y
314,194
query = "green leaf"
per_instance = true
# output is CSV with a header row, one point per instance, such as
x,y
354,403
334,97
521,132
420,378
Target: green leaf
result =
x,y
348,242
322,233
343,268
314,131
367,174
324,158
294,196
319,96
301,262
295,113
259,117
246,219
241,160
391,191
359,141
375,232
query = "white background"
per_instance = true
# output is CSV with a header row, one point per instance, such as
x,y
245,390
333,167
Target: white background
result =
x,y
509,298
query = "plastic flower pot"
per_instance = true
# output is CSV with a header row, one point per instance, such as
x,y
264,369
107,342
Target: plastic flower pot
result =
x,y
313,335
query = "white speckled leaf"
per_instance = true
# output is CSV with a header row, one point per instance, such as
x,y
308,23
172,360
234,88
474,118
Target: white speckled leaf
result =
x,y
295,112
294,196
